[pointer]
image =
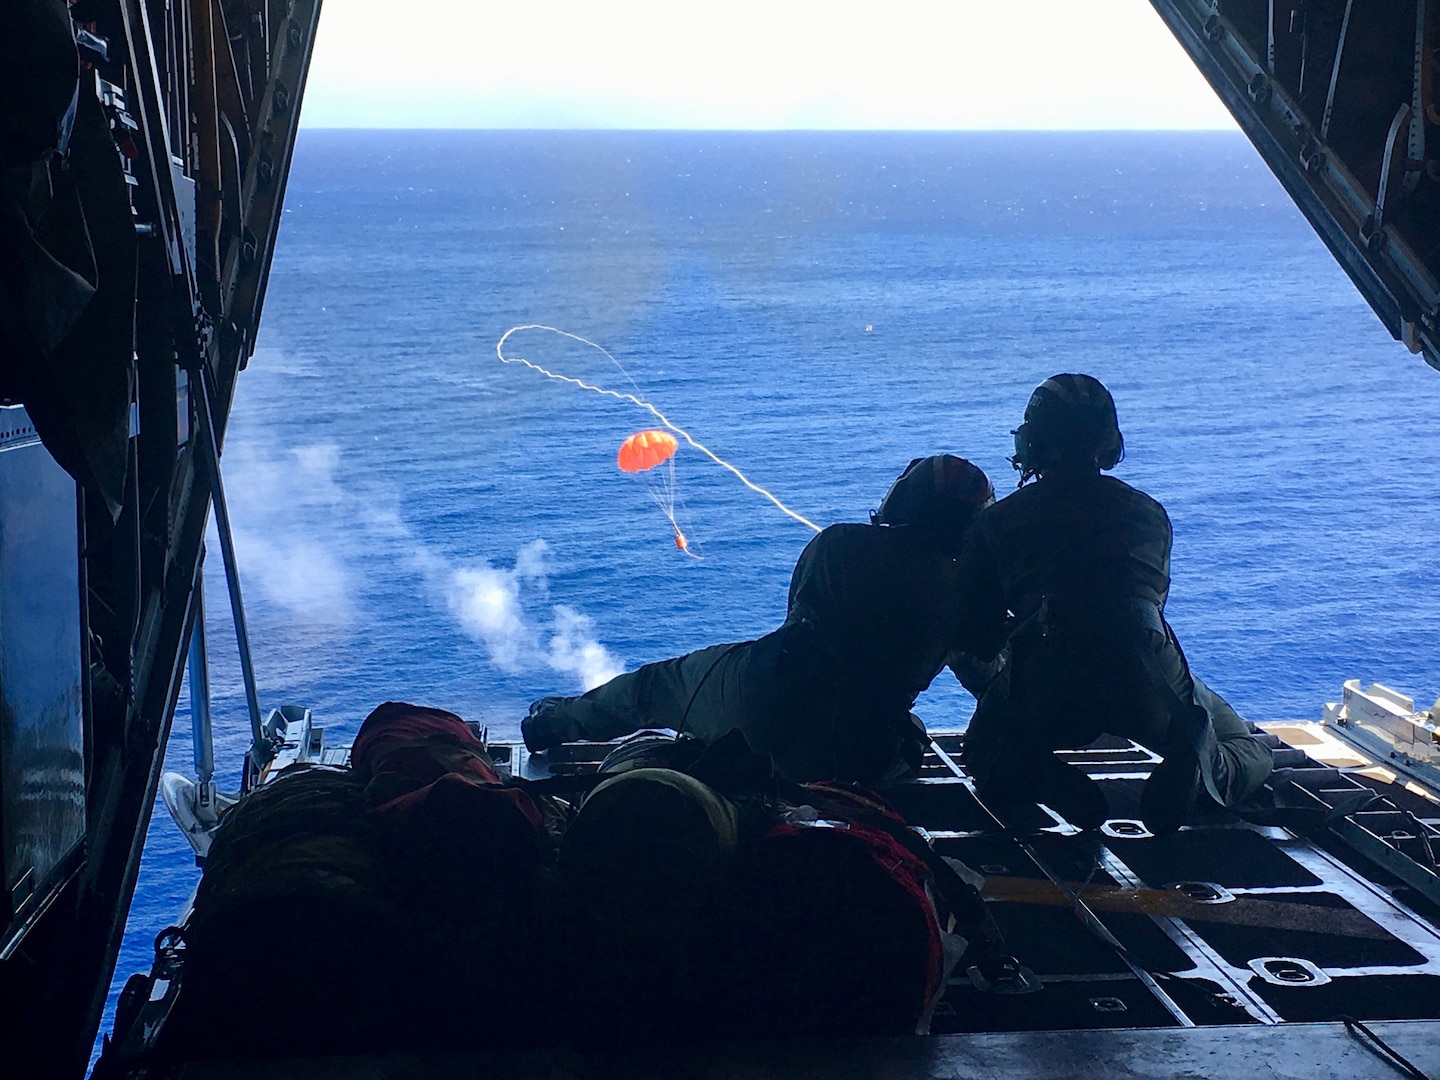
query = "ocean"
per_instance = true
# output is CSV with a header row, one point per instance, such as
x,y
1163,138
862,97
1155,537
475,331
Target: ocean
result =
x,y
417,521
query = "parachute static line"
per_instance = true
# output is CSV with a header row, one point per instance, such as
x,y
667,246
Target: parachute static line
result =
x,y
635,399
641,455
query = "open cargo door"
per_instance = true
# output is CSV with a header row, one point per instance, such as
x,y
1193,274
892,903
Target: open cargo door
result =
x,y
1339,97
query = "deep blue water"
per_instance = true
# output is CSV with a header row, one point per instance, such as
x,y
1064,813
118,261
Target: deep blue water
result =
x,y
417,521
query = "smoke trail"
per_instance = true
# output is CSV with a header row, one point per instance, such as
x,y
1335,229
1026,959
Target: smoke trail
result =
x,y
486,603
490,606
292,566
295,523
574,649
634,399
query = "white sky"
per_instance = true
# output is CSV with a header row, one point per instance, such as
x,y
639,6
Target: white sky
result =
x,y
961,64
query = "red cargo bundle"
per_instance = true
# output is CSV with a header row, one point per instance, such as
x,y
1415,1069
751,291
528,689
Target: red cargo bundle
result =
x,y
425,769
834,929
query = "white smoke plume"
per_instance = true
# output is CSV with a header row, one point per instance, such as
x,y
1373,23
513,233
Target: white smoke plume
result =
x,y
293,523
272,500
491,604
487,604
573,649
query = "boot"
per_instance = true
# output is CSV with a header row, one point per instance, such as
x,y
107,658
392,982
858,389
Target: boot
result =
x,y
1169,795
1019,780
1072,794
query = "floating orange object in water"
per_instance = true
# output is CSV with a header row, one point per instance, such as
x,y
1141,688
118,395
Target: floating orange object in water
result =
x,y
680,541
646,449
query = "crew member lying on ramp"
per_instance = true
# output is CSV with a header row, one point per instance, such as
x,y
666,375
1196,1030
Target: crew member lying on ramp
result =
x,y
872,619
1082,561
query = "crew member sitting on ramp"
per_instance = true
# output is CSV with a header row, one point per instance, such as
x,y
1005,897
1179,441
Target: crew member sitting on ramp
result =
x,y
872,619
1083,563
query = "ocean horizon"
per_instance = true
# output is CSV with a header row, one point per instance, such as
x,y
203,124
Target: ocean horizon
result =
x,y
417,521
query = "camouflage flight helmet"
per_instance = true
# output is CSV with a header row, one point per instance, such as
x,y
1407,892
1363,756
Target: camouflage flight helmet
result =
x,y
941,493
1069,420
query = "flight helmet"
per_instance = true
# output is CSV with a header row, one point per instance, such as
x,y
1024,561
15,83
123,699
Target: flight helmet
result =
x,y
940,493
1070,419
646,851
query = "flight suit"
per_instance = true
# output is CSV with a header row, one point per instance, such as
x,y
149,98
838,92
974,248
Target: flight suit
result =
x,y
1082,561
871,620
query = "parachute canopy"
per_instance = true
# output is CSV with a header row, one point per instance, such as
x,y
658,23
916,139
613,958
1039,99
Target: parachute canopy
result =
x,y
646,449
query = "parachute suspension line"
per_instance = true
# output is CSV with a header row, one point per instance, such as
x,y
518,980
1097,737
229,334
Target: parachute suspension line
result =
x,y
661,489
667,506
635,399
662,492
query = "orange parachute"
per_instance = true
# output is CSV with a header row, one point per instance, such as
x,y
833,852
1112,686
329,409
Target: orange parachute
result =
x,y
646,449
643,453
